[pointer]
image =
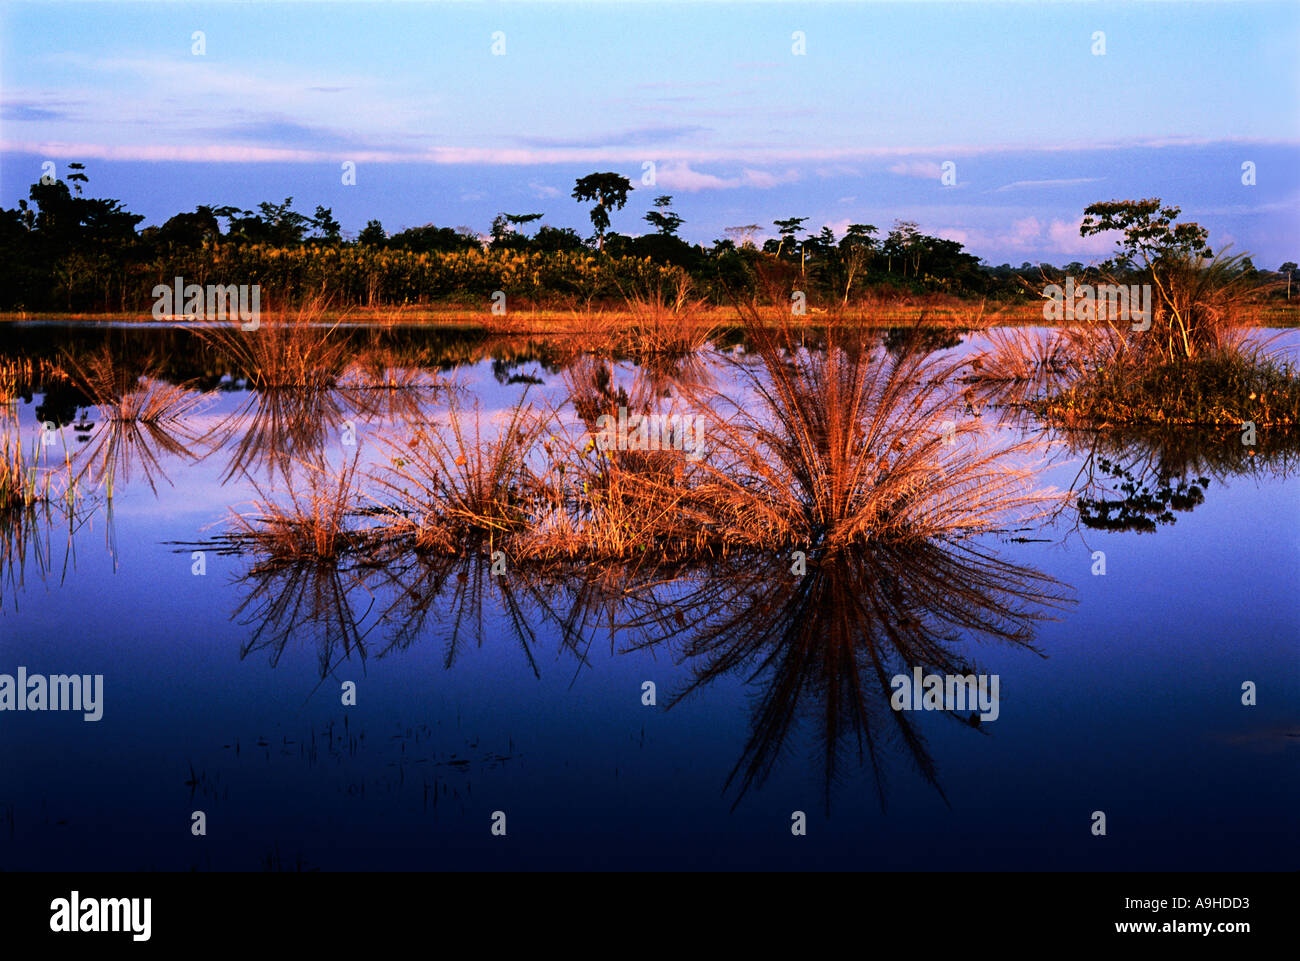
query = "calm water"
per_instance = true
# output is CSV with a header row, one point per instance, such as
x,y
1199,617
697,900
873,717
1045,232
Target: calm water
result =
x,y
222,691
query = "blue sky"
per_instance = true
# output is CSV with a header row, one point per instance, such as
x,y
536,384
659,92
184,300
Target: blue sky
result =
x,y
740,128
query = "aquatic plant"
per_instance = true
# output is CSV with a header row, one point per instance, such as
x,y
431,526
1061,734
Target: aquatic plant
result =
x,y
288,350
851,445
1230,388
144,418
448,484
24,483
315,524
665,319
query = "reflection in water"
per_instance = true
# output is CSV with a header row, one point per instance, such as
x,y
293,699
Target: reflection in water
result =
x,y
816,652
664,375
1020,365
144,419
123,443
1135,479
278,427
311,598
452,600
459,600
307,381
843,452
41,539
820,647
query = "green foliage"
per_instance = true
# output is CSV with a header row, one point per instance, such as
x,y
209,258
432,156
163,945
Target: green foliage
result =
x,y
1225,388
1149,232
63,251
433,240
372,235
608,191
662,217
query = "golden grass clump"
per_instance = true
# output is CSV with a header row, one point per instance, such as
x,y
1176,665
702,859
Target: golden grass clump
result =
x,y
449,486
298,352
315,525
294,365
18,375
663,319
825,449
123,394
1201,306
818,450
849,445
19,485
1024,363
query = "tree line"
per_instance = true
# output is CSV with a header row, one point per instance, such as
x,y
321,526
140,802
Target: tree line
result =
x,y
67,251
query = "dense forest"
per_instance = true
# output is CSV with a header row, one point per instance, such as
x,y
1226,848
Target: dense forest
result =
x,y
64,250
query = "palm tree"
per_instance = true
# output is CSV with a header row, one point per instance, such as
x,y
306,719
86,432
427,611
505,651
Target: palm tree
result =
x,y
1287,268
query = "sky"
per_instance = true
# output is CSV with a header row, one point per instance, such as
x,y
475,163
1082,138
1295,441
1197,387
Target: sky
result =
x,y
744,113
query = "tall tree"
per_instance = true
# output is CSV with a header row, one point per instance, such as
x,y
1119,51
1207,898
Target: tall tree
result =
x,y
662,217
858,235
330,229
372,234
1149,231
901,243
855,252
519,220
609,192
787,229
190,230
744,233
504,225
77,176
1286,268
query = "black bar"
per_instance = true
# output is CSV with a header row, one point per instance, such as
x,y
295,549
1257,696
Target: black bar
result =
x,y
944,911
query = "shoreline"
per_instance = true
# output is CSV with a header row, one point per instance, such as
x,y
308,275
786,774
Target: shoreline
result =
x,y
567,321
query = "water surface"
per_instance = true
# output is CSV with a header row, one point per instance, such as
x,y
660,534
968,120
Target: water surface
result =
x,y
222,691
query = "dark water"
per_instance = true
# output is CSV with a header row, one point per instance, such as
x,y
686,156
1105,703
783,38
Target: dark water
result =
x,y
218,700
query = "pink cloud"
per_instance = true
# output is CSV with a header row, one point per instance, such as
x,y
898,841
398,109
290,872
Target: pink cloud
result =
x,y
924,169
681,176
1065,239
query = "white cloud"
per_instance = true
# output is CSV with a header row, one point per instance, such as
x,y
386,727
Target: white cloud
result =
x,y
1032,237
1064,182
1025,232
207,153
924,169
681,176
764,179
1065,239
187,137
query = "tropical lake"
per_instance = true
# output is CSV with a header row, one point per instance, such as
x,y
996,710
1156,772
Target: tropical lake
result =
x,y
1122,625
